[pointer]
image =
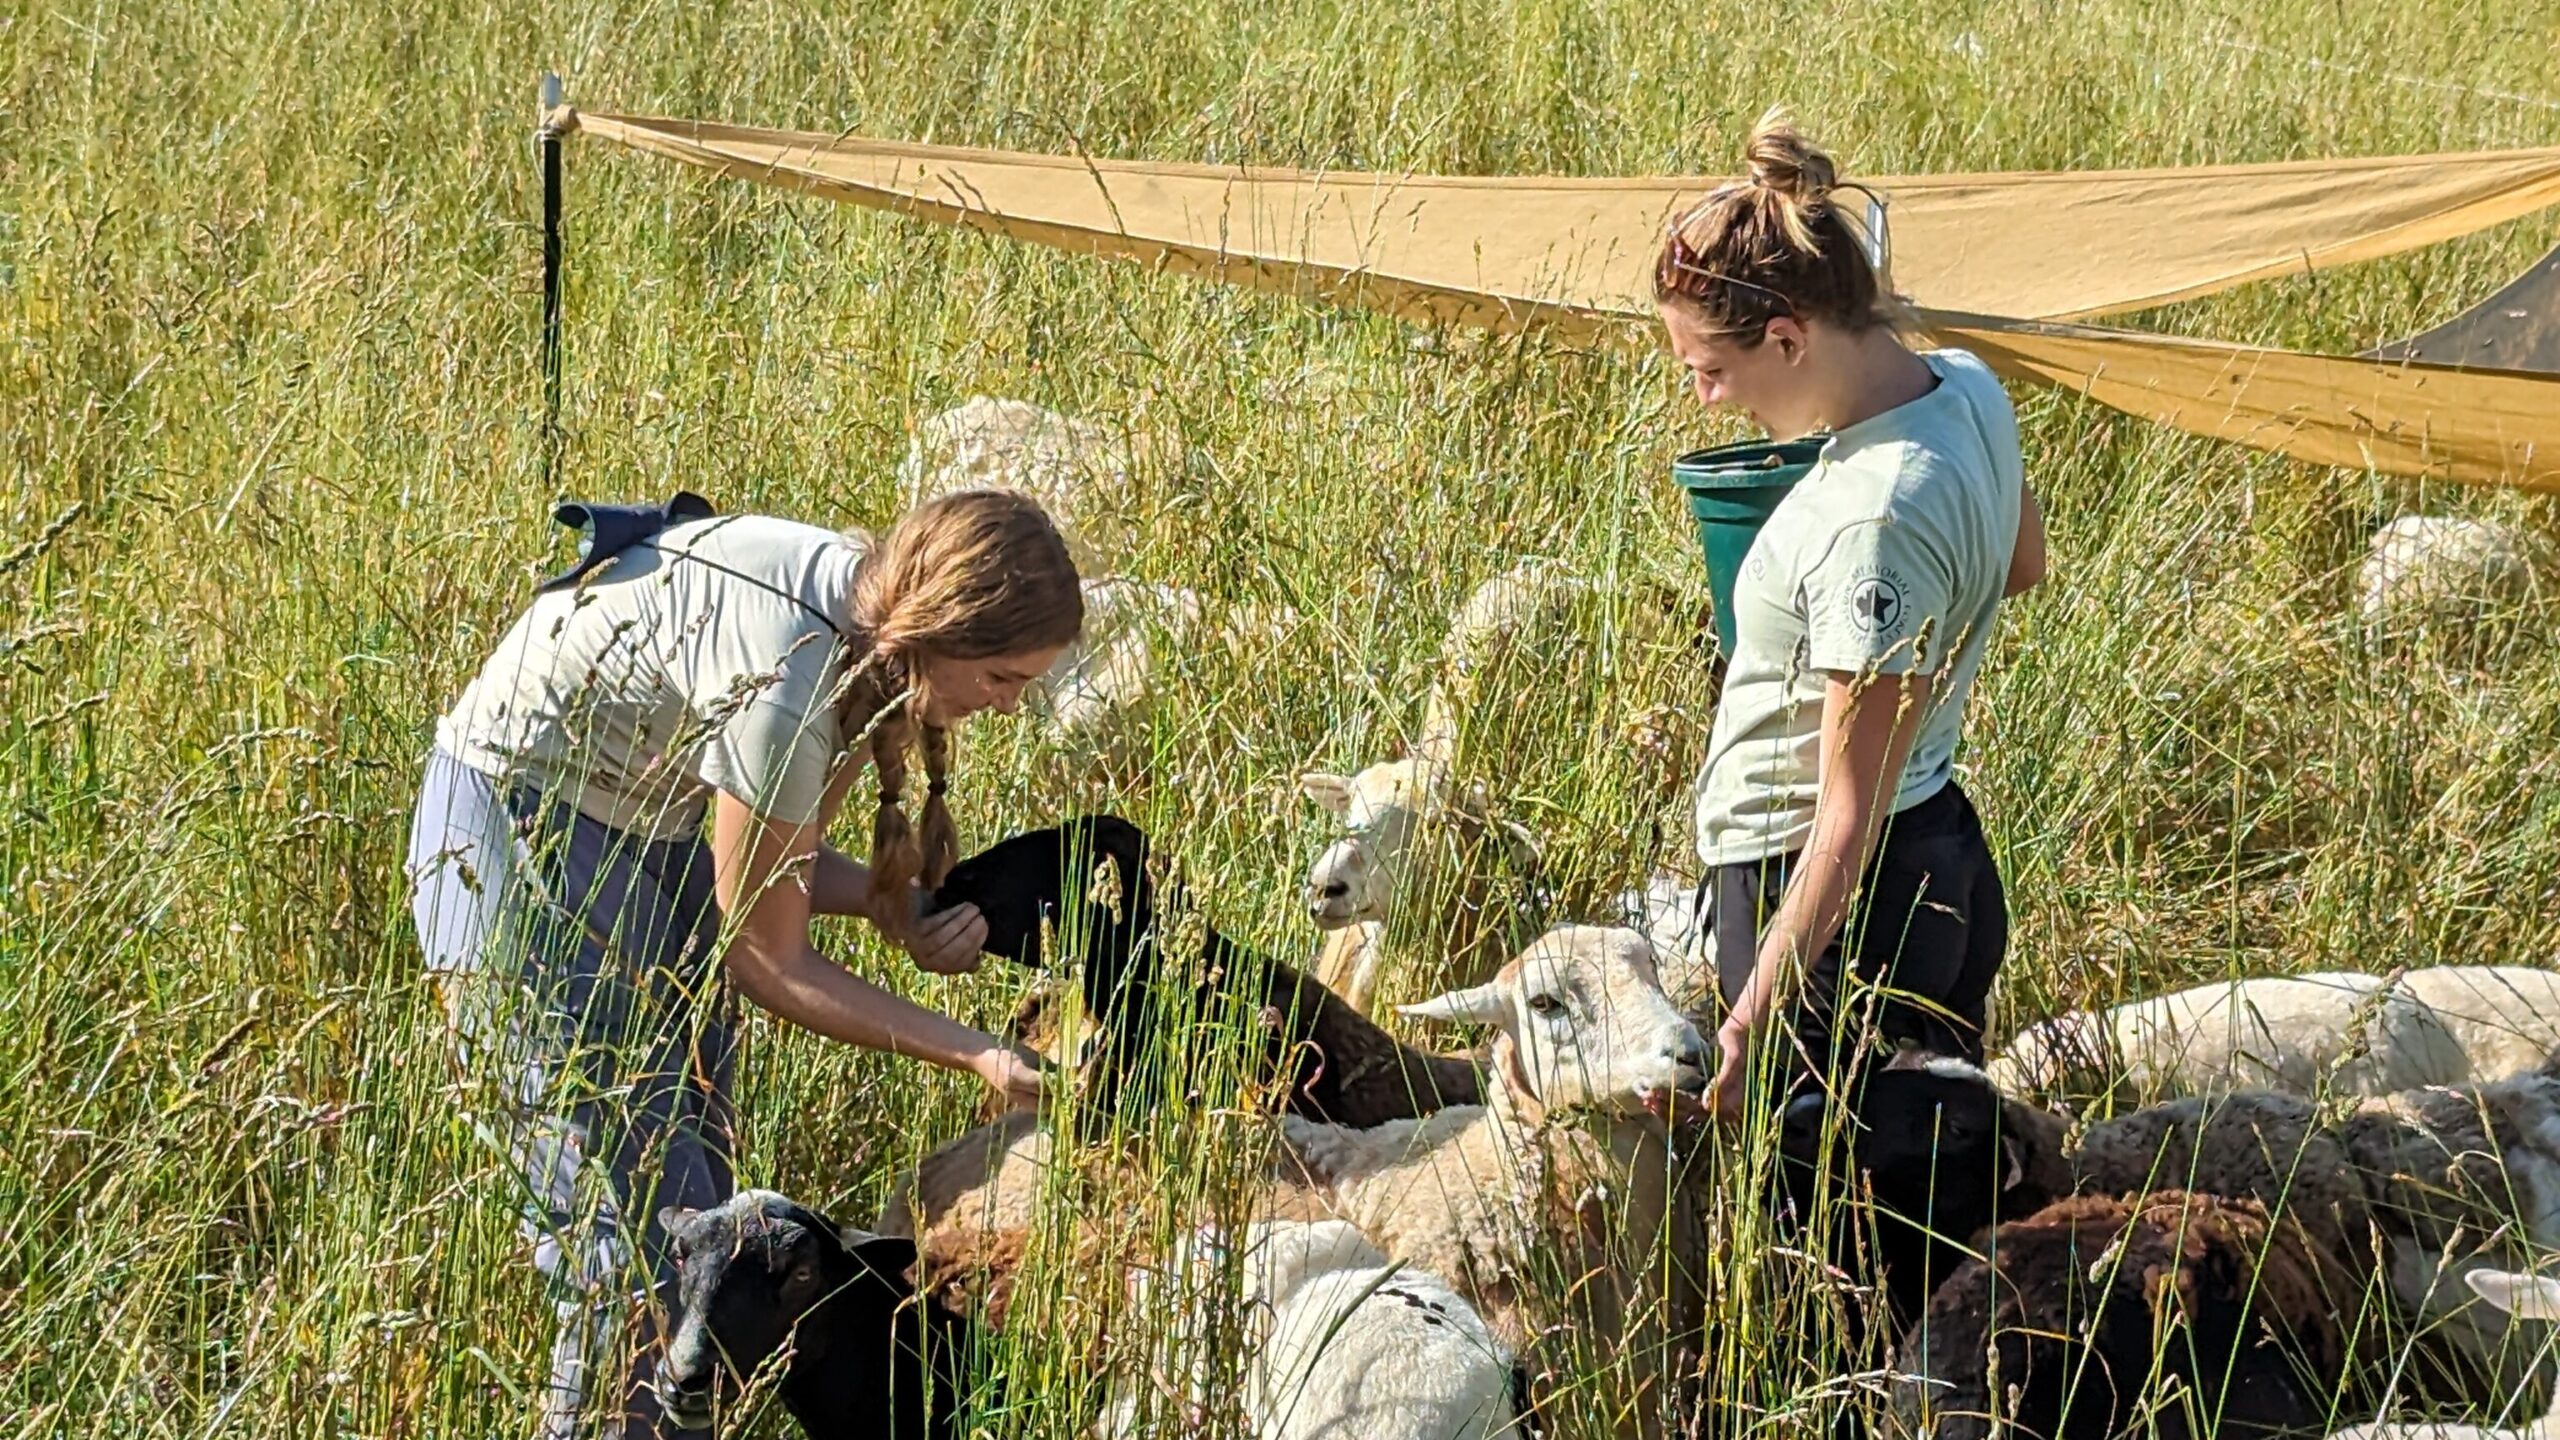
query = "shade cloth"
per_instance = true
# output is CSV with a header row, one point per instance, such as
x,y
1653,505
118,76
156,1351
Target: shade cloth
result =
x,y
1987,256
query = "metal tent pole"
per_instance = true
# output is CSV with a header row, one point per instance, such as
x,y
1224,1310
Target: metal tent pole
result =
x,y
547,138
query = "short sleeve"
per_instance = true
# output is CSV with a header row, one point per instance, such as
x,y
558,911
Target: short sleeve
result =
x,y
774,737
1879,598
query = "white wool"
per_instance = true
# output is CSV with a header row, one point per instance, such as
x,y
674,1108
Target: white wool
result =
x,y
2346,1032
1060,460
1339,1341
2423,568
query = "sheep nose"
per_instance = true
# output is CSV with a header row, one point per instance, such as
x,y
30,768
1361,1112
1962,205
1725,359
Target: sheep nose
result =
x,y
1334,890
1692,1053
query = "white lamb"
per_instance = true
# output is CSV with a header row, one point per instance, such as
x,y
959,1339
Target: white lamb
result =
x,y
2522,1297
1520,611
2354,1034
2424,568
1392,808
1338,1342
1390,812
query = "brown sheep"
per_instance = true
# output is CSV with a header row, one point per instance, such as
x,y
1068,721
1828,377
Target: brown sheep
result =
x,y
2095,1305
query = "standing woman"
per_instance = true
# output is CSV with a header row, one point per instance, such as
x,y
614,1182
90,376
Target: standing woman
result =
x,y
746,672
1835,838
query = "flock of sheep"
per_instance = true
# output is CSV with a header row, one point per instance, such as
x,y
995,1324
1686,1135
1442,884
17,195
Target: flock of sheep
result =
x,y
2260,1207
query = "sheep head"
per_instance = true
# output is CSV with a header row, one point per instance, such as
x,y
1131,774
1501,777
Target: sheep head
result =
x,y
751,1271
1087,878
1384,811
1584,1024
1935,1139
1380,809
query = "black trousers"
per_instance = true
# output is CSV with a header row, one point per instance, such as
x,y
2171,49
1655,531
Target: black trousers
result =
x,y
1930,925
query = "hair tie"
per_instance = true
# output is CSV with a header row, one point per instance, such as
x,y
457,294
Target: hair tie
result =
x,y
938,785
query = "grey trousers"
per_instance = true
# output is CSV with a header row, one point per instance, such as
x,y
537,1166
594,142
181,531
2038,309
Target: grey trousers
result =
x,y
579,970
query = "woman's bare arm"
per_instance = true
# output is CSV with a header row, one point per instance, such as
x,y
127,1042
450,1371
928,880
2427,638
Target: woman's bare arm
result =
x,y
2026,558
761,872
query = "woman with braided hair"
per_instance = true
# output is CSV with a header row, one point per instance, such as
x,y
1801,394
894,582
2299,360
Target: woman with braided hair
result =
x,y
735,675
1835,839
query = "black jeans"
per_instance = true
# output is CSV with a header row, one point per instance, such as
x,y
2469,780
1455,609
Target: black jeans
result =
x,y
1929,923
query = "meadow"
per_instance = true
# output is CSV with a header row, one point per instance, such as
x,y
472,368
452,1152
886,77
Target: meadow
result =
x,y
269,420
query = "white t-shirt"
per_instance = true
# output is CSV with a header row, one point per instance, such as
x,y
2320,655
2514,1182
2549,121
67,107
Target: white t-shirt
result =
x,y
660,679
1890,556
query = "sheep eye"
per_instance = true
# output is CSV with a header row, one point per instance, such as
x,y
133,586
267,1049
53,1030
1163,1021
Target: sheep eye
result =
x,y
1545,1004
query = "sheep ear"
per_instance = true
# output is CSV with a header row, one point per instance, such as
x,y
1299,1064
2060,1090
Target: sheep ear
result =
x,y
1481,1004
1327,789
2014,1152
674,1219
884,1254
2526,1297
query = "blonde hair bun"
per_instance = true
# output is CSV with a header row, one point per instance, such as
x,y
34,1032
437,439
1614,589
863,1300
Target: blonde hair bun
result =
x,y
1781,159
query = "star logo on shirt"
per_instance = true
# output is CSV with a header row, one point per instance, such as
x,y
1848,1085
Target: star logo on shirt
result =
x,y
1876,605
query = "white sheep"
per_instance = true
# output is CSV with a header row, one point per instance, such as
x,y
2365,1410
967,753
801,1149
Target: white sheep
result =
x,y
1337,1341
2354,1034
1059,459
1390,812
1520,611
2434,567
2505,1018
1566,1163
1486,1195
1389,809
2521,1297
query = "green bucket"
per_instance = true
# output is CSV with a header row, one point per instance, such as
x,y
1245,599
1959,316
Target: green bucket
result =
x,y
1732,489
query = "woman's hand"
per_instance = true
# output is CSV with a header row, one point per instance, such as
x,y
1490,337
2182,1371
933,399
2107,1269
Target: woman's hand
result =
x,y
1726,1092
1015,1077
946,942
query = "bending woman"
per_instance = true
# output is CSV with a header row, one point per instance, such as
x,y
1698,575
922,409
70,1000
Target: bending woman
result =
x,y
1835,839
742,671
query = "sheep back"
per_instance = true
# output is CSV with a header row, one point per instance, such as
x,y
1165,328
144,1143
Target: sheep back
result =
x,y
2083,1305
2293,1033
2257,1145
2504,1018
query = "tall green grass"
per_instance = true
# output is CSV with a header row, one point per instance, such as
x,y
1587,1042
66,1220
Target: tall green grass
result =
x,y
268,413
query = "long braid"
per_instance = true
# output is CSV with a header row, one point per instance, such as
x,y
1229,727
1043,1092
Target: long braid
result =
x,y
939,846
896,862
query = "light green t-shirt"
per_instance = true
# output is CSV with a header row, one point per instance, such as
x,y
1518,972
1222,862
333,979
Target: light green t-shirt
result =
x,y
1889,556
659,680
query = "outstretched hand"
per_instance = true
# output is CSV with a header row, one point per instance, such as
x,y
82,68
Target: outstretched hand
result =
x,y
947,942
1015,1077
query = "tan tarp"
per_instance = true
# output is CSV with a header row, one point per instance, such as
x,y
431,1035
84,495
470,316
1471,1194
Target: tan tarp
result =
x,y
2480,426
1507,251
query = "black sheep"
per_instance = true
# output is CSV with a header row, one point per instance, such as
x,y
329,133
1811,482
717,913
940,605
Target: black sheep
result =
x,y
865,1357
2099,1309
1941,1150
1089,879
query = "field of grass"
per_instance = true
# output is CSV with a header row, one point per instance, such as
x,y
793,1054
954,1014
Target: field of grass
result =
x,y
268,417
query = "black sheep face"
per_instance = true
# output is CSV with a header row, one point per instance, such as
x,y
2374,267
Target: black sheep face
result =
x,y
1927,1135
1051,875
750,1271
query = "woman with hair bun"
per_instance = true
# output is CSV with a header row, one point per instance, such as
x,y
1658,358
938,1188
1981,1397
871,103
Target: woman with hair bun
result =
x,y
1835,839
735,674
